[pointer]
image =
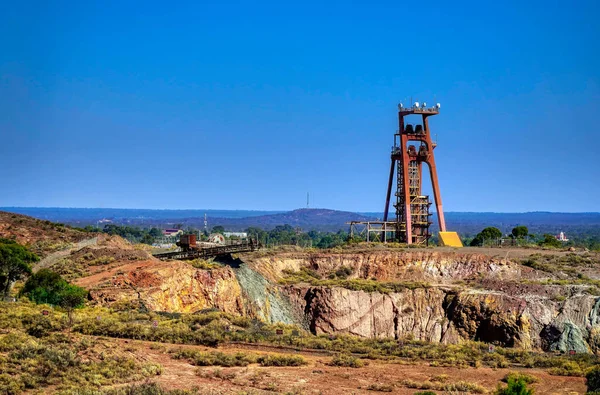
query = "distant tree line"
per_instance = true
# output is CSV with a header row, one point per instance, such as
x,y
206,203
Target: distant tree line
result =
x,y
280,235
288,235
133,234
520,234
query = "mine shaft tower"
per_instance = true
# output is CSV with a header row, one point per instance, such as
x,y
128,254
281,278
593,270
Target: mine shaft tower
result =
x,y
412,148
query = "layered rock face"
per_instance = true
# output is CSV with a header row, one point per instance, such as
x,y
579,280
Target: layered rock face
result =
x,y
499,307
466,296
389,265
446,315
419,312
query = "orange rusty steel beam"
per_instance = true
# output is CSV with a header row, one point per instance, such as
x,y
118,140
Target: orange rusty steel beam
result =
x,y
406,187
434,178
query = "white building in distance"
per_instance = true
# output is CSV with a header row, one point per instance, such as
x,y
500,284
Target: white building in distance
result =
x,y
241,235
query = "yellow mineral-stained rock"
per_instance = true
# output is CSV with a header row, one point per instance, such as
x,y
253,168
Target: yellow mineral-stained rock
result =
x,y
168,286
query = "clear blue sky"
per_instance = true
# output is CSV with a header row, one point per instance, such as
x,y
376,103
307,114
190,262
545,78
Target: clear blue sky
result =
x,y
249,105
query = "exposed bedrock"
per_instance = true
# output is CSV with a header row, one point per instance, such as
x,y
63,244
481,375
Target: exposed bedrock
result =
x,y
418,265
169,286
502,309
444,315
498,306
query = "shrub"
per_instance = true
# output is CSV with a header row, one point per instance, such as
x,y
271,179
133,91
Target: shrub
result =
x,y
465,386
356,284
568,368
152,369
343,272
520,376
205,265
592,379
442,378
40,326
146,388
346,360
281,360
460,386
516,386
380,387
10,386
214,358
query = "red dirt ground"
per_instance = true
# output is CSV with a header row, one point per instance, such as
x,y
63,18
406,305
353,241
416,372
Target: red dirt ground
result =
x,y
317,377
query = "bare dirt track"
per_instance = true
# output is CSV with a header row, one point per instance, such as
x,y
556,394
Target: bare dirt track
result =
x,y
319,378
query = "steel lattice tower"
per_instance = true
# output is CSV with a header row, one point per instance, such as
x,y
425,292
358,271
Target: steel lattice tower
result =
x,y
412,207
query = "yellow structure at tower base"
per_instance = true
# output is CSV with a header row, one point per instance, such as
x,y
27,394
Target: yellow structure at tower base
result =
x,y
450,239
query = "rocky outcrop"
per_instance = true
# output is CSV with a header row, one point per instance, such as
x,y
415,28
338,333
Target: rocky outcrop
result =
x,y
168,286
393,265
418,312
466,297
576,327
265,299
442,314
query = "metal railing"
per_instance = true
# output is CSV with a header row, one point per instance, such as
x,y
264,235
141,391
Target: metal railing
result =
x,y
209,252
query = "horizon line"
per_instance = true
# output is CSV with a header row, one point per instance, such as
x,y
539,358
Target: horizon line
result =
x,y
288,210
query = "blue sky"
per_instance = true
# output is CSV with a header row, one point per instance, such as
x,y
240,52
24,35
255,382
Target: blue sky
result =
x,y
249,105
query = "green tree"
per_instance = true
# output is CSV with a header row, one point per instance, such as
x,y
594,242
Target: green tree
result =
x,y
49,287
520,232
147,239
15,263
257,234
72,297
218,229
43,287
550,241
155,232
489,233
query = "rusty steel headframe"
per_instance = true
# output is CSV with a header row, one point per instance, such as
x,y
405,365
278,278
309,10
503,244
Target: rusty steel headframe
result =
x,y
412,207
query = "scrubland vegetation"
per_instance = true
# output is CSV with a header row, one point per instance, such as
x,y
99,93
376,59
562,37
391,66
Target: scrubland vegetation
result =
x,y
568,264
212,328
339,279
147,388
460,386
347,360
568,268
53,359
215,358
204,264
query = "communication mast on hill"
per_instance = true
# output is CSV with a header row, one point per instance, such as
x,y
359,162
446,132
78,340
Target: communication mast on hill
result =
x,y
412,148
